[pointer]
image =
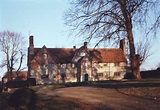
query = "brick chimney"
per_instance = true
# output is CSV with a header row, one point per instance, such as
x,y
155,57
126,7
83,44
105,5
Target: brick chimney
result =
x,y
123,46
31,45
30,54
31,41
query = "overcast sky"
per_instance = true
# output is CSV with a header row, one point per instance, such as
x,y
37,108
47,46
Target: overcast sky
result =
x,y
44,20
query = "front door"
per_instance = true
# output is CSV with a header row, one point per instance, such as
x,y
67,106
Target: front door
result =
x,y
85,77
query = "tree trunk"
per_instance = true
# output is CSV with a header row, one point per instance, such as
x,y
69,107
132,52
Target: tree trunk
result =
x,y
135,63
20,64
128,27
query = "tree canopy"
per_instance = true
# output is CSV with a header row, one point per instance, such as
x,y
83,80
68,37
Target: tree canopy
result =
x,y
113,20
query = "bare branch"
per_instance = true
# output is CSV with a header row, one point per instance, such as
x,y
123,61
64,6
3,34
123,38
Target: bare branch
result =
x,y
112,19
10,44
143,49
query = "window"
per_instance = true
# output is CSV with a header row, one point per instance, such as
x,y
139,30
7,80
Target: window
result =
x,y
100,74
86,65
116,73
63,66
82,54
73,65
116,64
44,76
106,64
45,56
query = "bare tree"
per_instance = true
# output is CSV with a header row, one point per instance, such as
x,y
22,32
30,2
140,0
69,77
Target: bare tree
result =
x,y
113,20
143,48
12,46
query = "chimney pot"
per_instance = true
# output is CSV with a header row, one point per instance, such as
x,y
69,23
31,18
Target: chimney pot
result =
x,y
85,44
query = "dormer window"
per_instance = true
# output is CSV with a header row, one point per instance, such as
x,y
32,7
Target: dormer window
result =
x,y
45,56
82,54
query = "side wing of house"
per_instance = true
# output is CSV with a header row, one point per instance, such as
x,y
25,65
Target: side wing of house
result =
x,y
108,64
43,67
51,65
109,71
99,64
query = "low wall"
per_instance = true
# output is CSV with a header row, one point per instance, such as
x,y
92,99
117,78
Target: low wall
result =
x,y
151,74
145,74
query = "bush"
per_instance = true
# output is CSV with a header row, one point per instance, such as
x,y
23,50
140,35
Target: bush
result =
x,y
129,75
16,84
150,74
23,97
31,81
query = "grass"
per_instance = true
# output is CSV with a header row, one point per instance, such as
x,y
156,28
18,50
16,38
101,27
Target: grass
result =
x,y
150,93
47,87
147,88
56,86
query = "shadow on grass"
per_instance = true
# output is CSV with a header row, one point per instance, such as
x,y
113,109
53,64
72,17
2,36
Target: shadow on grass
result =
x,y
21,99
55,103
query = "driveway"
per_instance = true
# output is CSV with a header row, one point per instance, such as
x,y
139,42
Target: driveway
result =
x,y
100,96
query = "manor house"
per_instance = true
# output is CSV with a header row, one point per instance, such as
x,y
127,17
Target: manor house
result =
x,y
60,65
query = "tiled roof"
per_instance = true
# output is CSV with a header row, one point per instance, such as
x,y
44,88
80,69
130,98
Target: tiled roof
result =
x,y
22,74
62,55
65,55
108,55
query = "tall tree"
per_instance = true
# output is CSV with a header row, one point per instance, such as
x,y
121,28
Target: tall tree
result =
x,y
113,20
12,47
